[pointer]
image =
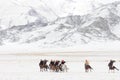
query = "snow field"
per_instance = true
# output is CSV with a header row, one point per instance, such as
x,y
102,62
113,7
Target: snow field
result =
x,y
25,67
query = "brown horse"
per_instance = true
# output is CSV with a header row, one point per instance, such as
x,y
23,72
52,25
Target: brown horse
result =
x,y
54,66
58,66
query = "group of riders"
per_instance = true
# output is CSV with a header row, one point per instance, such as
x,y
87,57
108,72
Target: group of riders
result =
x,y
60,66
110,65
54,65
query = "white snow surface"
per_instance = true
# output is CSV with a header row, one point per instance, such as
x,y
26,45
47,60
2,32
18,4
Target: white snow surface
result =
x,y
25,67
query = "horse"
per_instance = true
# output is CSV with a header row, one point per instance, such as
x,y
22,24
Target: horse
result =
x,y
88,68
43,65
54,66
63,68
111,67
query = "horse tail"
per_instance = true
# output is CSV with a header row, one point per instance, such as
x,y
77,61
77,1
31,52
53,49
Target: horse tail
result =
x,y
115,68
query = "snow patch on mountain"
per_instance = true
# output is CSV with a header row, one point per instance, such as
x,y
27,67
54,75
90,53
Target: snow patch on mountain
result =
x,y
39,25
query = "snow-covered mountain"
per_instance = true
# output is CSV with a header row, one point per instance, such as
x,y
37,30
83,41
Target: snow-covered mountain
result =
x,y
34,25
21,12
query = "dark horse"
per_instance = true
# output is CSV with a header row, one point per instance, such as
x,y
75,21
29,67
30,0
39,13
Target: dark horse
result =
x,y
111,67
87,68
43,65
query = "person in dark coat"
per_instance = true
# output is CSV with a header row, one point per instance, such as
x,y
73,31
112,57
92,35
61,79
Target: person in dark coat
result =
x,y
111,66
41,62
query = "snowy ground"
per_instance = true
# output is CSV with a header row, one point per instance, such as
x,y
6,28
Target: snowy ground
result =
x,y
25,67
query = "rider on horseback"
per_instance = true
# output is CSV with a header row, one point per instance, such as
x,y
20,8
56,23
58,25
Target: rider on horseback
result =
x,y
87,66
110,65
41,62
62,62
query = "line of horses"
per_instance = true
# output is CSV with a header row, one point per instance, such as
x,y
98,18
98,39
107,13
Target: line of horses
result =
x,y
54,66
60,66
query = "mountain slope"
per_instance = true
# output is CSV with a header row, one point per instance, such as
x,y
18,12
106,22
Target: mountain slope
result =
x,y
100,25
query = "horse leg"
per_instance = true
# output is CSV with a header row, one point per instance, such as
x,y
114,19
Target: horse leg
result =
x,y
45,68
41,69
65,68
113,71
91,69
57,70
60,68
53,68
109,71
86,70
